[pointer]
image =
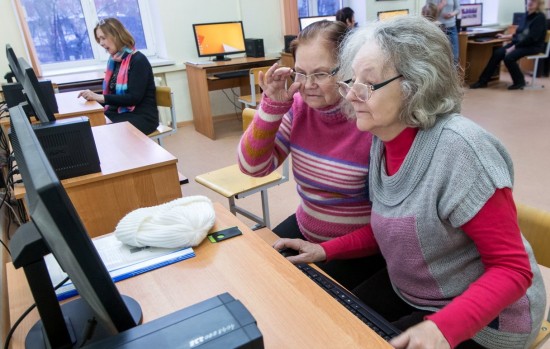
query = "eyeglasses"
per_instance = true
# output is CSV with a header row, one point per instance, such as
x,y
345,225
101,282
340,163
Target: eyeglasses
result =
x,y
362,92
315,78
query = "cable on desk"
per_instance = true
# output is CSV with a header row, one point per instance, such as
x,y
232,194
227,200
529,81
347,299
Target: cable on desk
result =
x,y
25,313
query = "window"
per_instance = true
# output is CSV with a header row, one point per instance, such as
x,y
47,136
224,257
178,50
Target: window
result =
x,y
318,7
62,30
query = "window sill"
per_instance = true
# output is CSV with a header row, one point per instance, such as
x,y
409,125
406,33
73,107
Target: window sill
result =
x,y
155,62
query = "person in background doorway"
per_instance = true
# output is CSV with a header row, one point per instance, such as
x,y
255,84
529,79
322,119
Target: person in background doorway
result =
x,y
528,40
347,16
129,85
311,121
459,272
431,12
447,12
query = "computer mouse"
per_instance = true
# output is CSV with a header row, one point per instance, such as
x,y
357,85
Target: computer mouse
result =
x,y
288,252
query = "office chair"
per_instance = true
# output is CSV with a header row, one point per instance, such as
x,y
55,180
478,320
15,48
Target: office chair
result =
x,y
255,94
537,58
165,98
535,226
233,184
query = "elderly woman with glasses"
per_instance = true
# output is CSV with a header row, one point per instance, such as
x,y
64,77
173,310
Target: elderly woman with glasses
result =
x,y
459,272
311,121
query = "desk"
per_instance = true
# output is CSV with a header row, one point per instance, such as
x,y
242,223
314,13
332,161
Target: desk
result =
x,y
291,311
69,106
473,56
92,80
135,172
201,81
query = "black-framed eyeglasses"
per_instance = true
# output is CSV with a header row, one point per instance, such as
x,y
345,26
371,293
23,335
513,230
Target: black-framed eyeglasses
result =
x,y
315,78
362,92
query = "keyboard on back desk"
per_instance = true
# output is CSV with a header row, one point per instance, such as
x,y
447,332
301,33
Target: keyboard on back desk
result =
x,y
484,39
371,318
231,74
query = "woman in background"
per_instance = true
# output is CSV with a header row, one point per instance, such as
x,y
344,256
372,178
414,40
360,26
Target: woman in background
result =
x,y
311,121
129,85
528,40
347,16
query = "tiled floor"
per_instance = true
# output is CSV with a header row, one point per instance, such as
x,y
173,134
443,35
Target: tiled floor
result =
x,y
520,119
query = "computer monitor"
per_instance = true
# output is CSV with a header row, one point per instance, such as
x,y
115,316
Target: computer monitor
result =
x,y
219,39
56,227
471,15
305,21
383,15
14,63
518,18
38,100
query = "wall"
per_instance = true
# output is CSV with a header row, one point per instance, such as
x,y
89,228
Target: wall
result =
x,y
261,19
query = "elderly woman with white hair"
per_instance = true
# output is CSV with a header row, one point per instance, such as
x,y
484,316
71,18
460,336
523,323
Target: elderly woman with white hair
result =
x,y
459,272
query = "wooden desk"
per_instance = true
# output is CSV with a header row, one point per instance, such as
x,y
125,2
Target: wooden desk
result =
x,y
69,106
291,311
473,56
201,81
135,172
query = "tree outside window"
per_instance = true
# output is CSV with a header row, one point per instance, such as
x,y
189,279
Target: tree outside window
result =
x,y
62,30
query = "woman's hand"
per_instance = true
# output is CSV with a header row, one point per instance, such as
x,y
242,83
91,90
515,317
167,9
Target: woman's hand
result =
x,y
425,335
91,96
308,252
273,83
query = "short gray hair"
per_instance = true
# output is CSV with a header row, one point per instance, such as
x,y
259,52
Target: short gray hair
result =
x,y
420,51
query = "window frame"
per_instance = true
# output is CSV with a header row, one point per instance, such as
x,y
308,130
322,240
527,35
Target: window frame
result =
x,y
91,19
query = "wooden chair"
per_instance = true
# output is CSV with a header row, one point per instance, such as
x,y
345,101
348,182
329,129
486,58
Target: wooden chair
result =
x,y
255,94
537,58
165,99
233,184
535,226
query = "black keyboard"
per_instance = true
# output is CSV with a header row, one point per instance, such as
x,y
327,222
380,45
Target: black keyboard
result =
x,y
370,317
484,39
231,74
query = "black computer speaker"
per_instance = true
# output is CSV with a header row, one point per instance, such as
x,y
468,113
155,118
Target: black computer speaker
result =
x,y
254,47
288,40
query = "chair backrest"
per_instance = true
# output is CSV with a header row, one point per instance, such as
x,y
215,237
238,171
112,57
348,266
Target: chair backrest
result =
x,y
248,115
547,43
535,226
165,98
254,82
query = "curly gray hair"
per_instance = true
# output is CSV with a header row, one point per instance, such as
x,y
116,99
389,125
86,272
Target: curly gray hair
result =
x,y
419,50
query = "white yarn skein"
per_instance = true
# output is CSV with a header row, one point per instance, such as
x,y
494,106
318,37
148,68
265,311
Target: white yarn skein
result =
x,y
182,222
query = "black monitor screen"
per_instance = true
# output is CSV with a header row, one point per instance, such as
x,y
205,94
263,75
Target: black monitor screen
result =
x,y
35,94
14,63
305,21
219,39
56,220
471,15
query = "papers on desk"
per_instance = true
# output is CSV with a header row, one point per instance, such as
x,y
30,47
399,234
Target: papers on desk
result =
x,y
122,261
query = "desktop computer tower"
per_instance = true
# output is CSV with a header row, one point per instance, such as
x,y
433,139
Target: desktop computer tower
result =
x,y
254,47
13,94
69,145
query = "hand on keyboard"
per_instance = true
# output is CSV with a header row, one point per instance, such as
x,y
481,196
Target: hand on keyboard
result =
x,y
424,335
307,251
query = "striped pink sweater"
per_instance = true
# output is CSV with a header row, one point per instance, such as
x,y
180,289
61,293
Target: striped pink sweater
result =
x,y
330,160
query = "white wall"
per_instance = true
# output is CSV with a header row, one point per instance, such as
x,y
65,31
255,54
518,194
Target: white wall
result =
x,y
261,19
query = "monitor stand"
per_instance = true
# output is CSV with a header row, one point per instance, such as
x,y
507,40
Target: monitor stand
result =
x,y
68,325
221,58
